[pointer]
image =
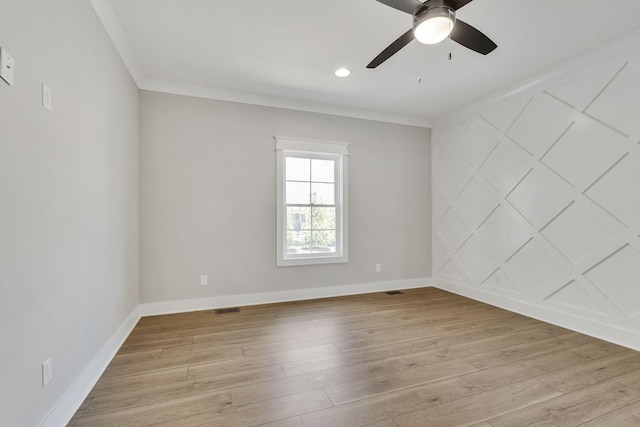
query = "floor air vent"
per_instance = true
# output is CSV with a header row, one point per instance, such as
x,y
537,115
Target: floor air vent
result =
x,y
227,310
394,293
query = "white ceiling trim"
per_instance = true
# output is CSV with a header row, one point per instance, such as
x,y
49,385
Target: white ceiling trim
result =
x,y
586,62
111,24
270,101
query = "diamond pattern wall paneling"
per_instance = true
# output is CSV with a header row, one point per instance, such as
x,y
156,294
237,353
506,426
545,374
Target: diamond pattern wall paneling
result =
x,y
475,144
537,197
477,260
504,167
624,207
585,152
573,296
576,234
581,91
503,233
526,130
619,103
535,267
501,283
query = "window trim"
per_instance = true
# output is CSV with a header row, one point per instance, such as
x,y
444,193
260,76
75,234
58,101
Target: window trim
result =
x,y
337,150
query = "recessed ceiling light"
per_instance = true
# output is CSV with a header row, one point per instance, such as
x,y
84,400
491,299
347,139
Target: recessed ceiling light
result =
x,y
342,72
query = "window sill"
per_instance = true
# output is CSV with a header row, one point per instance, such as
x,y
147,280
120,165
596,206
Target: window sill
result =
x,y
288,262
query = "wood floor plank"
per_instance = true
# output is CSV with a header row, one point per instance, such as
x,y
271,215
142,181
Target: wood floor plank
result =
x,y
182,359
167,333
160,343
502,375
512,353
630,379
259,333
441,347
135,357
262,412
627,416
309,381
161,413
573,408
379,408
379,337
385,423
597,349
289,422
593,372
396,380
481,406
554,361
237,364
146,395
142,380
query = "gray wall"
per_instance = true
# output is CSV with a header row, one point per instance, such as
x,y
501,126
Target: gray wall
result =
x,y
207,176
68,201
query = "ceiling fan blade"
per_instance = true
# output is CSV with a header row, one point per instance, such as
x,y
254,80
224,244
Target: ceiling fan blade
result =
x,y
394,47
410,6
456,4
472,38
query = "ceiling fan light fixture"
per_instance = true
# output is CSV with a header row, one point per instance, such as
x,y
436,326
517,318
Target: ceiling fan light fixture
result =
x,y
434,25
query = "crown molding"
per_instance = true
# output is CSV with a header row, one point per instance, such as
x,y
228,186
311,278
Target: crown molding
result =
x,y
276,102
110,22
584,63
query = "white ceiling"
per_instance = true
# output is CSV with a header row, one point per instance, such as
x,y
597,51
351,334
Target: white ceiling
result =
x,y
284,52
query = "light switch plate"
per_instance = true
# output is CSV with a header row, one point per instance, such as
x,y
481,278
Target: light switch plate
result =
x,y
6,66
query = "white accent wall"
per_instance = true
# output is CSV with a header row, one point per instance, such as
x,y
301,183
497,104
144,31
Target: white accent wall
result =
x,y
537,198
208,204
68,207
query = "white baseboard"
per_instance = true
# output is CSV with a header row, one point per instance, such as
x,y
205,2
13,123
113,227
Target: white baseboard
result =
x,y
180,306
607,332
69,403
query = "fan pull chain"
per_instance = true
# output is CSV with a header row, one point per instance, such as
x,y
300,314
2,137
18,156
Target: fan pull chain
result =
x,y
449,37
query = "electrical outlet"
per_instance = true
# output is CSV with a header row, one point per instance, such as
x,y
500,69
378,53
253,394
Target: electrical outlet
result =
x,y
6,66
378,268
47,372
204,280
47,98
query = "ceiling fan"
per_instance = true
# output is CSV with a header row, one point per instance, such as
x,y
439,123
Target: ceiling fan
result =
x,y
434,21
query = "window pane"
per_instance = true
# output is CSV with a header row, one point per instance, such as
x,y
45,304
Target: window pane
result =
x,y
298,218
322,194
324,241
323,170
298,193
298,169
324,218
298,242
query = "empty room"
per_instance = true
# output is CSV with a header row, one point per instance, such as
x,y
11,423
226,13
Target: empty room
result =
x,y
296,213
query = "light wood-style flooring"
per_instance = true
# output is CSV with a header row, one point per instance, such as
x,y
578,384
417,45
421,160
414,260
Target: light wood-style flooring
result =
x,y
422,358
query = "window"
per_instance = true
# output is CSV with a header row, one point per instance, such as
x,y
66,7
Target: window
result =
x,y
312,202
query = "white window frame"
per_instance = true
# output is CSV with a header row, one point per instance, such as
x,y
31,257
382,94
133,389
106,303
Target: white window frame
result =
x,y
317,149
